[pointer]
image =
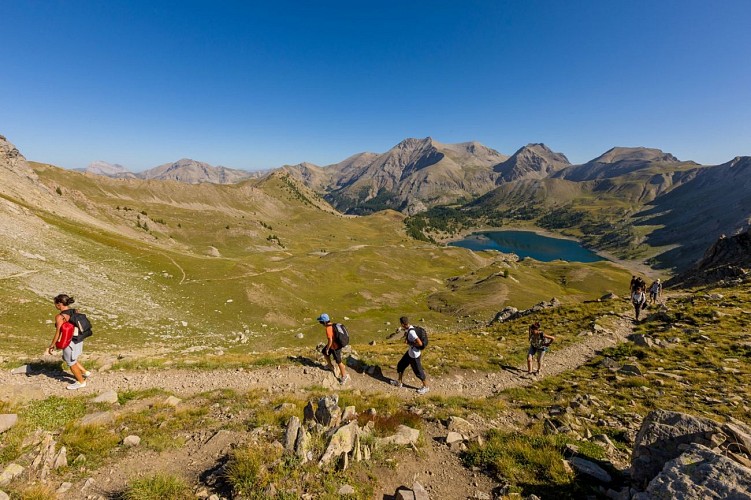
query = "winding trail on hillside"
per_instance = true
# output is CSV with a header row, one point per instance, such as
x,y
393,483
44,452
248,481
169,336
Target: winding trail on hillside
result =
x,y
306,373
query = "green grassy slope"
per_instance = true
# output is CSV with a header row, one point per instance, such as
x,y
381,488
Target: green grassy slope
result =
x,y
243,268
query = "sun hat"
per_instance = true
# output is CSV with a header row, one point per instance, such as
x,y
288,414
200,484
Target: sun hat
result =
x,y
324,318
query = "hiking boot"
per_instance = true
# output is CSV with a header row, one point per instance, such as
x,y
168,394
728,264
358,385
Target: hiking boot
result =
x,y
76,385
396,383
86,374
423,390
344,379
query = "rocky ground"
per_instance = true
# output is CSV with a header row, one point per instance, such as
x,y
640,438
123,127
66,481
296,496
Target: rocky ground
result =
x,y
435,465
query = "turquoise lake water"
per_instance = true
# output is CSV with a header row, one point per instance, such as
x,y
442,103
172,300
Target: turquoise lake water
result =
x,y
528,244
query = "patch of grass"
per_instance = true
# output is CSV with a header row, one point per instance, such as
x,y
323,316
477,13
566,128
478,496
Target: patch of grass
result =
x,y
520,458
247,472
34,492
125,396
94,442
158,487
53,413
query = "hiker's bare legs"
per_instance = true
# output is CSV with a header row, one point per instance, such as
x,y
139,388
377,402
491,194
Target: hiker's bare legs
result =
x,y
331,365
529,363
77,372
342,371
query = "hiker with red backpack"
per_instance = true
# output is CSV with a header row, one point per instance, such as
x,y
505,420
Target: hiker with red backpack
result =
x,y
333,347
416,338
67,338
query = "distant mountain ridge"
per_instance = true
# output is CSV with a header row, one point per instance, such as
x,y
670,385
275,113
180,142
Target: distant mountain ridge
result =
x,y
184,170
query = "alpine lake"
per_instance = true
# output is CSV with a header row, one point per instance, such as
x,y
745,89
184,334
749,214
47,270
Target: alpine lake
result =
x,y
528,244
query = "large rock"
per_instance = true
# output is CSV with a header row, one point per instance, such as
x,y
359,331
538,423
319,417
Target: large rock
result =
x,y
404,436
108,396
341,442
590,469
328,412
7,420
458,424
290,437
740,434
662,437
700,474
11,472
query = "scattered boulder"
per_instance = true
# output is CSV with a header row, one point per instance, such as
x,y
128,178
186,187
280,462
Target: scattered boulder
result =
x,y
458,424
290,437
509,313
346,490
419,491
590,469
610,364
454,437
11,472
631,369
342,442
132,441
328,412
21,370
7,421
109,396
172,401
404,436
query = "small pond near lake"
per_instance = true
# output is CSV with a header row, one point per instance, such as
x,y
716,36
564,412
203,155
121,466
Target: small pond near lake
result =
x,y
528,244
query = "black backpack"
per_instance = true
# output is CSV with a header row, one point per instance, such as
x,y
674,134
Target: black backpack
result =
x,y
80,321
422,335
341,335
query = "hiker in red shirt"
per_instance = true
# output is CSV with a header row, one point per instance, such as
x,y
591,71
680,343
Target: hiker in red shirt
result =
x,y
332,348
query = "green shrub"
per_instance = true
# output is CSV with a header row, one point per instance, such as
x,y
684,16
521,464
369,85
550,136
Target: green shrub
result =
x,y
92,441
247,472
158,487
520,459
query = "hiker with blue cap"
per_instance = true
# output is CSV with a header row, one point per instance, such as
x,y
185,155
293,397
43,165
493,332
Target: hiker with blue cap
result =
x,y
332,348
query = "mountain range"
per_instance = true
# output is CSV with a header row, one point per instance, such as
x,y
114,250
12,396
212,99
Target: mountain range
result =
x,y
636,202
183,170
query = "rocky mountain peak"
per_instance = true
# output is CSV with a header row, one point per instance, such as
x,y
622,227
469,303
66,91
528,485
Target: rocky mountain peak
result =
x,y
100,167
621,154
533,161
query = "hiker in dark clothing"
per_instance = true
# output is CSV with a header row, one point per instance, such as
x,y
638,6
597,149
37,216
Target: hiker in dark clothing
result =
x,y
639,300
411,357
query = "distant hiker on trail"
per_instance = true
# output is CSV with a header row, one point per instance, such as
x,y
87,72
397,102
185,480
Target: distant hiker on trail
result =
x,y
74,348
634,285
639,300
411,357
655,291
539,343
332,348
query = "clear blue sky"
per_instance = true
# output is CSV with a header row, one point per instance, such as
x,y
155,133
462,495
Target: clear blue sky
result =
x,y
256,85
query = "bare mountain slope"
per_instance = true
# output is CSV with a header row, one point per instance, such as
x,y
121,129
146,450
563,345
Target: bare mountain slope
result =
x,y
616,162
533,161
414,174
195,172
108,169
716,201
